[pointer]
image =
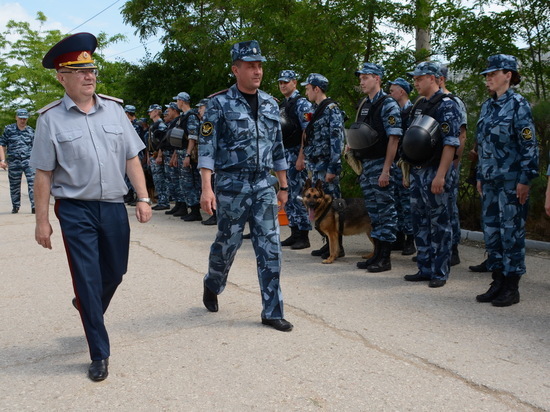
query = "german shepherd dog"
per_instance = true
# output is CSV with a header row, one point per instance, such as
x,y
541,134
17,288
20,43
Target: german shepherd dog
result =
x,y
328,218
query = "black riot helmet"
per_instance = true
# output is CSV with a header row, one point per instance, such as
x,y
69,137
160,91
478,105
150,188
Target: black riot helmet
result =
x,y
420,140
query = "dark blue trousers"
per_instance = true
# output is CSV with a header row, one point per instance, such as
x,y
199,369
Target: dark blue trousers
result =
x,y
97,241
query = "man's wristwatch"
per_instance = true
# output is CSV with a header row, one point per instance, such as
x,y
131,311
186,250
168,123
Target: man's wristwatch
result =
x,y
145,200
284,189
187,155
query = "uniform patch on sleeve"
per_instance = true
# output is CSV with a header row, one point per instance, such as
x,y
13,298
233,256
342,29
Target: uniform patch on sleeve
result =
x,y
207,128
391,121
445,128
526,133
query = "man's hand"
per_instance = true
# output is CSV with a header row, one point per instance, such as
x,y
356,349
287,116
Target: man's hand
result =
x,y
522,192
282,198
143,212
42,234
208,201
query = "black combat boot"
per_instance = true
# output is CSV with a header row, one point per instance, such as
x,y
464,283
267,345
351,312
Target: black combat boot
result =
x,y
195,215
211,221
182,211
494,289
365,264
455,258
482,267
341,251
383,263
301,240
399,243
322,250
174,209
509,293
289,241
409,248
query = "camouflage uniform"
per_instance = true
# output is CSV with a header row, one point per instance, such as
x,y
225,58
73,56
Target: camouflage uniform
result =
x,y
508,155
431,213
324,141
19,145
380,200
455,216
157,170
189,178
295,209
402,194
242,151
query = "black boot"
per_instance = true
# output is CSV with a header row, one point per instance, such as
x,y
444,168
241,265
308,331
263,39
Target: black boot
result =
x,y
494,289
289,241
455,258
409,248
182,211
383,263
509,293
322,250
341,252
174,209
375,253
399,243
211,221
301,240
482,267
195,215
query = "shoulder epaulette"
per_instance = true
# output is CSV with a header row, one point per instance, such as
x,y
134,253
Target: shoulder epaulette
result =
x,y
114,99
48,107
217,93
332,105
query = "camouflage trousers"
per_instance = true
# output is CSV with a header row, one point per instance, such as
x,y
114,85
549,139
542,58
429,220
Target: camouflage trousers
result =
x,y
504,227
379,200
330,188
246,197
190,182
159,180
172,175
16,169
402,197
295,209
455,217
431,217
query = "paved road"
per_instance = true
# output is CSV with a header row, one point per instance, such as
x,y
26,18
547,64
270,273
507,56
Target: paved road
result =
x,y
361,342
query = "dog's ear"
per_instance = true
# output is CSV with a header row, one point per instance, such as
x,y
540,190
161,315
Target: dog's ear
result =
x,y
307,185
319,185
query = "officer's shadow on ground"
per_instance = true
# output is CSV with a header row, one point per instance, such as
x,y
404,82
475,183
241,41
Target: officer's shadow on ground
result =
x,y
69,357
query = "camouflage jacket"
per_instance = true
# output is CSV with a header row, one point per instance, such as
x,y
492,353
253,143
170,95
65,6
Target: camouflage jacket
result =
x,y
17,142
231,140
507,146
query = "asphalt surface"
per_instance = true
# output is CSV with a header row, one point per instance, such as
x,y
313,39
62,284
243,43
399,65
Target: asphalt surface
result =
x,y
361,341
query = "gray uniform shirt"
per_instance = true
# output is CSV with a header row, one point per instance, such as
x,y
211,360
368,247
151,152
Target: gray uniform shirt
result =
x,y
86,152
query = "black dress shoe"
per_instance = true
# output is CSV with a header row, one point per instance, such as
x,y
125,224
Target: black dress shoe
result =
x,y
417,277
437,283
279,324
74,304
15,210
210,300
33,211
99,370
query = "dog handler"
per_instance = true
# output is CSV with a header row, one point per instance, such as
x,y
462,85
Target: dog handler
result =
x,y
83,147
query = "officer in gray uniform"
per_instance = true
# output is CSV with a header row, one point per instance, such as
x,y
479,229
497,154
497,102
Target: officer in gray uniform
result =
x,y
508,162
84,146
323,144
429,145
16,142
294,111
383,116
241,140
